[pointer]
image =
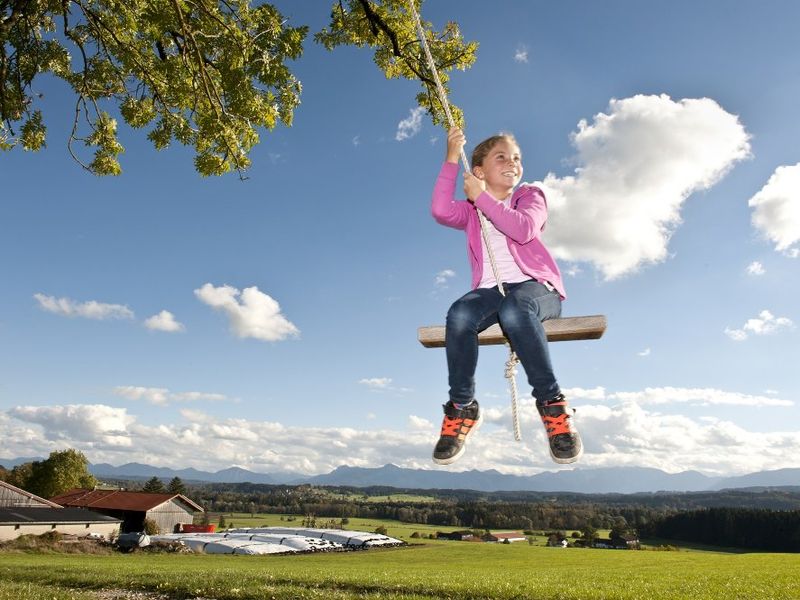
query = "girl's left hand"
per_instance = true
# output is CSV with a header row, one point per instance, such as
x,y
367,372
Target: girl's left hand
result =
x,y
473,187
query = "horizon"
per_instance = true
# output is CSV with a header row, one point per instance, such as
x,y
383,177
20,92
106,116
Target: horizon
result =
x,y
159,317
432,468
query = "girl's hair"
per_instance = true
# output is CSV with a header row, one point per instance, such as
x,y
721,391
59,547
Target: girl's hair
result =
x,y
482,149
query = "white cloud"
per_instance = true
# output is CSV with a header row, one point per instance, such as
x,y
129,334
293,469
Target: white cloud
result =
x,y
765,324
162,396
636,166
573,270
416,422
443,276
410,126
89,310
376,383
737,335
674,395
357,141
621,430
251,312
383,384
695,396
94,423
597,393
755,268
645,352
164,321
521,54
776,209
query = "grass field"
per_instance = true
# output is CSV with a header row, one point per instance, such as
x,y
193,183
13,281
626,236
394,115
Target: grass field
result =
x,y
428,570
395,529
451,570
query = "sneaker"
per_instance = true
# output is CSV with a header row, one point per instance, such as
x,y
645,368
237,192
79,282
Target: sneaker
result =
x,y
457,425
565,443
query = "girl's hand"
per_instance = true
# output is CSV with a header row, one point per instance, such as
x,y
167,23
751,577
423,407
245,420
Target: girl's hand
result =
x,y
473,187
455,142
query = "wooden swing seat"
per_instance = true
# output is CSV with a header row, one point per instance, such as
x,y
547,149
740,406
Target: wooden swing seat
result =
x,y
565,329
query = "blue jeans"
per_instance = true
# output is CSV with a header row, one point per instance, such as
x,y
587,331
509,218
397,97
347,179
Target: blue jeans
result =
x,y
520,314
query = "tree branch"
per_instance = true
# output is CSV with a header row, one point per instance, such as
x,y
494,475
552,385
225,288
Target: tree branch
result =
x,y
376,23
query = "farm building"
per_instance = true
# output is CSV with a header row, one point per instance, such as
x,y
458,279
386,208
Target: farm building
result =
x,y
504,537
18,521
12,497
167,511
459,536
624,542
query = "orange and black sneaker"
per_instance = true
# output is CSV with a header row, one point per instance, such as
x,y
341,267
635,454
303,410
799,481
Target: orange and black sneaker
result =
x,y
457,426
565,443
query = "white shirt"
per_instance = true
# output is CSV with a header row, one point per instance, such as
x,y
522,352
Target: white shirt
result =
x,y
507,267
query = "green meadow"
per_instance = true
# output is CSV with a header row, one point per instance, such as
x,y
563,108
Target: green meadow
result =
x,y
424,570
442,570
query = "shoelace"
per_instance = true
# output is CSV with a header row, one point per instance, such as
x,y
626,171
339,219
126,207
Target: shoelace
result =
x,y
556,425
451,426
457,426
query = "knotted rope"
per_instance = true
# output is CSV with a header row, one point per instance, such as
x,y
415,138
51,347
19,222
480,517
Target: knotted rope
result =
x,y
511,364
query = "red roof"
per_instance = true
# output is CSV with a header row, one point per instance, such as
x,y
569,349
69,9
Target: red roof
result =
x,y
119,500
509,535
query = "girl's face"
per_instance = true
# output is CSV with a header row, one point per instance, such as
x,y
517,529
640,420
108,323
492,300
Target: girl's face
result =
x,y
502,167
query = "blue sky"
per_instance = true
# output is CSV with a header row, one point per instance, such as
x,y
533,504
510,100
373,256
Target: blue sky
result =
x,y
666,140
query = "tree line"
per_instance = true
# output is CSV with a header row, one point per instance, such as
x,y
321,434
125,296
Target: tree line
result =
x,y
771,530
767,519
478,510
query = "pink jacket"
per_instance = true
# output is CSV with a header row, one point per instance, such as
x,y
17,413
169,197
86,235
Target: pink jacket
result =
x,y
521,223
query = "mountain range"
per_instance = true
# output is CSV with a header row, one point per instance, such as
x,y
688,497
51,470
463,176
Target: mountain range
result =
x,y
623,480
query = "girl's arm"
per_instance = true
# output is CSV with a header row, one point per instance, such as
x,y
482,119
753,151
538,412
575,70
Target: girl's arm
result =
x,y
523,220
444,208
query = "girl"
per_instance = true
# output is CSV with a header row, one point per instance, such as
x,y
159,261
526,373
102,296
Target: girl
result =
x,y
530,278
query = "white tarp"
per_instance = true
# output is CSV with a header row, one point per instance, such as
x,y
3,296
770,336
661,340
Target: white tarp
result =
x,y
277,540
351,539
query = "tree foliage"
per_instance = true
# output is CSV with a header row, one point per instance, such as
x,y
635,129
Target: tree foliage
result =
x,y
154,486
389,28
210,74
176,486
60,472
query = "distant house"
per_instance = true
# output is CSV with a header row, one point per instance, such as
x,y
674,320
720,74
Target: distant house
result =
x,y
501,537
14,497
167,511
36,520
459,536
623,542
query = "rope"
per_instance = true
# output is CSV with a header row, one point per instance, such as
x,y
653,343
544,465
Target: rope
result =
x,y
513,360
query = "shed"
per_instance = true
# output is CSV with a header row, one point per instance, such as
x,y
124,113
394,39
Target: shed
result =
x,y
15,522
167,511
505,536
12,497
624,542
459,536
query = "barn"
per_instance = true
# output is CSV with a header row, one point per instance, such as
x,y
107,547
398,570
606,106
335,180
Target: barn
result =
x,y
23,513
14,497
79,522
167,511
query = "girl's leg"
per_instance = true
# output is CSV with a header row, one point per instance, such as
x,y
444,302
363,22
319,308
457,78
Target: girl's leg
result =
x,y
469,315
521,313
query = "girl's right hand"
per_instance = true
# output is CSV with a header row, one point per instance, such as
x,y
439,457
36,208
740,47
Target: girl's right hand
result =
x,y
455,142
